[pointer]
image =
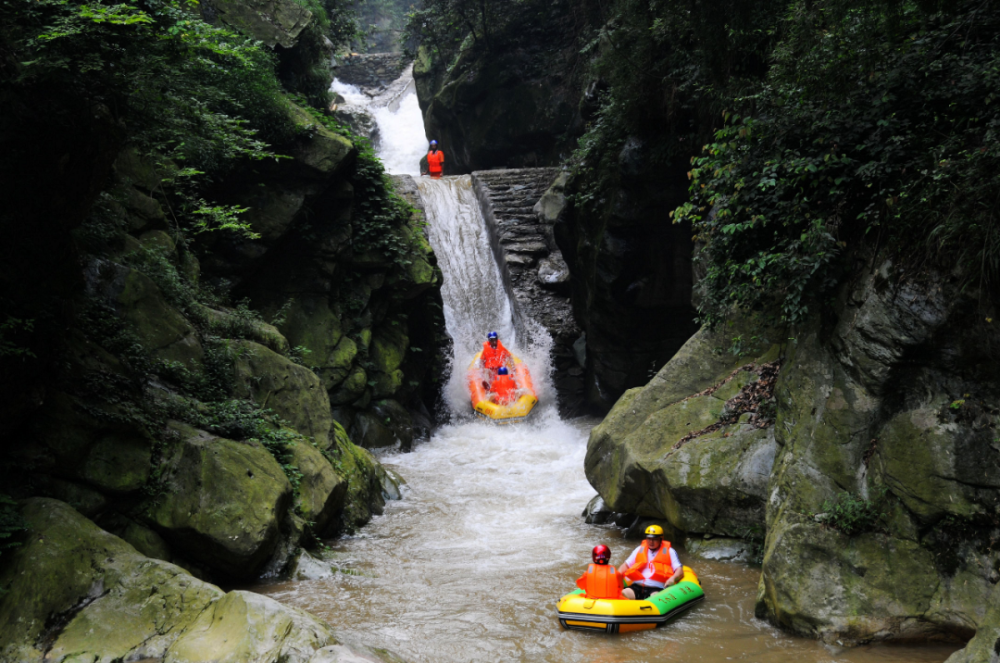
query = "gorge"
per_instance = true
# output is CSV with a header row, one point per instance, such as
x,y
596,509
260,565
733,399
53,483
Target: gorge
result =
x,y
235,422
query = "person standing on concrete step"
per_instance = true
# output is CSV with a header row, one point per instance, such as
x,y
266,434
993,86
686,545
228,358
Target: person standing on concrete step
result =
x,y
435,160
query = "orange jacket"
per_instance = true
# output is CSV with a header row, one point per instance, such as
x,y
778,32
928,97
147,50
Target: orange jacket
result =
x,y
494,359
504,387
601,581
663,570
435,162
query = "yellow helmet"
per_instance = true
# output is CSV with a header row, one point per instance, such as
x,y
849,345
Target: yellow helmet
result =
x,y
654,530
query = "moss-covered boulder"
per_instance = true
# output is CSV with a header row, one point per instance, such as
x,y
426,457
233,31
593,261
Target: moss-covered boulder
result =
x,y
162,330
75,592
311,324
319,152
274,22
295,393
94,444
365,495
385,424
321,490
222,503
243,627
672,450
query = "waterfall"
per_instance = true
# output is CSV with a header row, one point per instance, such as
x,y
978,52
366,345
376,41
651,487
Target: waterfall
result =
x,y
475,299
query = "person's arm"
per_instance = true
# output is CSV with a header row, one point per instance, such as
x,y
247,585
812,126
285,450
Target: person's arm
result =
x,y
628,563
675,563
581,582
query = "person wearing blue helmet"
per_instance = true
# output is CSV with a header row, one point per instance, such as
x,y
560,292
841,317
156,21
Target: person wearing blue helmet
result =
x,y
494,354
435,160
503,390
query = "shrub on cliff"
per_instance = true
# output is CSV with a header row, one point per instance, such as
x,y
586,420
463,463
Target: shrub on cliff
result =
x,y
877,128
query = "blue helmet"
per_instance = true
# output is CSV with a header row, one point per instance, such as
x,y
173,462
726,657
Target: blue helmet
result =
x,y
502,370
434,143
492,335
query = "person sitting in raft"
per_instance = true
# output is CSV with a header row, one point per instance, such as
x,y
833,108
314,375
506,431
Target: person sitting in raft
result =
x,y
601,580
435,160
494,354
503,390
653,565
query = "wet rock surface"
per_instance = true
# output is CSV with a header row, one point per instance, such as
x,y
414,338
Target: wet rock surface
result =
x,y
521,234
871,467
74,592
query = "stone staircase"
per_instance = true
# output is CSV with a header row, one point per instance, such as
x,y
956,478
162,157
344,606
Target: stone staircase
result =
x,y
534,270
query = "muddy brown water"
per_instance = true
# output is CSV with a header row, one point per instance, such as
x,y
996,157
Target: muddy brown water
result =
x,y
470,564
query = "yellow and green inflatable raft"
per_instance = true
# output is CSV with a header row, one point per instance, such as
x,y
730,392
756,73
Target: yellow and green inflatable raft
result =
x,y
576,611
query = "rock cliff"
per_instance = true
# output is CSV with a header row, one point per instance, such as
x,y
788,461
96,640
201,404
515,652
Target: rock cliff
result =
x,y
862,446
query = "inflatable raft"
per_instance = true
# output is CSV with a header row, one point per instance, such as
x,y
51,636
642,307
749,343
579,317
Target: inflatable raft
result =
x,y
502,414
576,611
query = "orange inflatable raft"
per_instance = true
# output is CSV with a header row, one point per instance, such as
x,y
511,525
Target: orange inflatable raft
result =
x,y
508,413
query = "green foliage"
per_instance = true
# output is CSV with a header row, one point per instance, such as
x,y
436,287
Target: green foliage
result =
x,y
876,129
195,100
852,514
666,67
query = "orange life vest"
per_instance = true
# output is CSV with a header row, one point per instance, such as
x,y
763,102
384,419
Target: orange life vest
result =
x,y
601,581
504,387
494,359
663,570
435,162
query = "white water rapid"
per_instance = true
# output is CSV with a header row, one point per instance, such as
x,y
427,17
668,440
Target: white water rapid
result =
x,y
470,564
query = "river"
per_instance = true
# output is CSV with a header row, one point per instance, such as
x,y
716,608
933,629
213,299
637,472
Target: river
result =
x,y
470,563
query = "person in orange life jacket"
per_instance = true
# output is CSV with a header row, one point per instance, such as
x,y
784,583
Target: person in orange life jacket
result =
x,y
601,580
504,389
653,565
435,160
494,354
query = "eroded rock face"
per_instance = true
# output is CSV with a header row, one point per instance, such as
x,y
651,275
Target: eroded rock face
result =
x,y
517,106
870,412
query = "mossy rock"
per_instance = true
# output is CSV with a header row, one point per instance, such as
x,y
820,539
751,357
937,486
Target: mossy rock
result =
x,y
244,627
716,482
161,329
274,22
227,324
272,211
386,424
295,393
321,152
89,595
312,324
321,490
352,387
108,453
224,501
364,497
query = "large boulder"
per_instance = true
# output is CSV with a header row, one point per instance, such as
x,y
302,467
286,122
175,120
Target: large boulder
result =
x,y
985,647
689,447
223,501
74,592
295,393
274,22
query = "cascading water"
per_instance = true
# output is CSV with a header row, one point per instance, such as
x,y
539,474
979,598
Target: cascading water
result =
x,y
469,565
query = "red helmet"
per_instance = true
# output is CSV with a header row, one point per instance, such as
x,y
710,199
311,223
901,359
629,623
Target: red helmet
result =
x,y
601,554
